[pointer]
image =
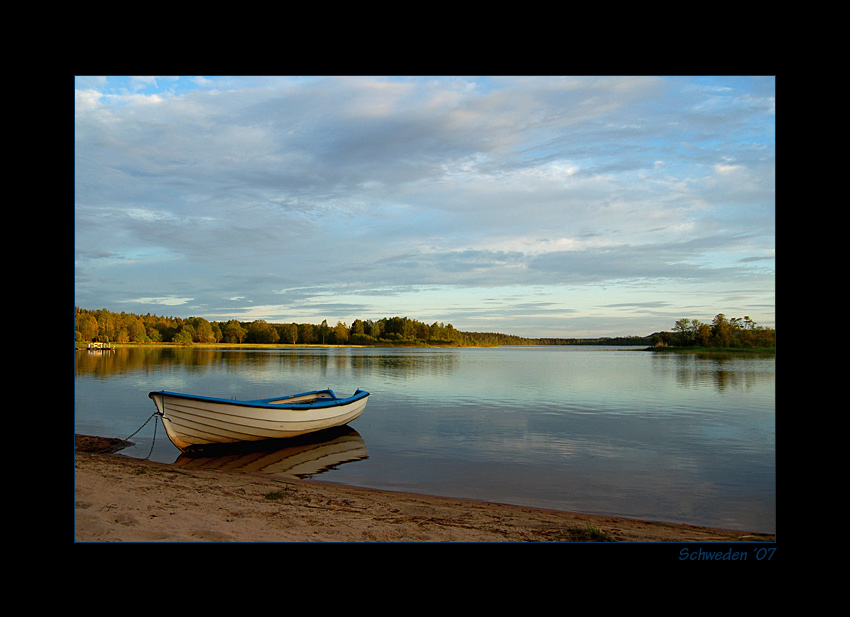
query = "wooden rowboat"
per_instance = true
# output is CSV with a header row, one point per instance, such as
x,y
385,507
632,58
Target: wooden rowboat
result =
x,y
191,420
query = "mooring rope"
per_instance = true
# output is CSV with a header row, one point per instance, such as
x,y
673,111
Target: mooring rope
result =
x,y
143,426
153,441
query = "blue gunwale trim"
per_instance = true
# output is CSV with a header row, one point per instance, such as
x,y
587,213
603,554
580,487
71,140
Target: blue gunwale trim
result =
x,y
334,401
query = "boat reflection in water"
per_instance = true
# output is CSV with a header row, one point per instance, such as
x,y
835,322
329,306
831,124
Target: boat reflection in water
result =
x,y
295,457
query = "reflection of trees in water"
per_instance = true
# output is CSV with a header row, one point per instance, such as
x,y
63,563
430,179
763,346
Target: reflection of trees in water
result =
x,y
405,365
339,361
718,370
134,359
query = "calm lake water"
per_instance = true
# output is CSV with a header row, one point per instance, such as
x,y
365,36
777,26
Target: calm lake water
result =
x,y
617,431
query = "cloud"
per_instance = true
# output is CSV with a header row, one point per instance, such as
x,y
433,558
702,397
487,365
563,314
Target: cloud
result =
x,y
218,188
167,301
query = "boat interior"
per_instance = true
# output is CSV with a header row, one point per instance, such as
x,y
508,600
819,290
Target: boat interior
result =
x,y
304,399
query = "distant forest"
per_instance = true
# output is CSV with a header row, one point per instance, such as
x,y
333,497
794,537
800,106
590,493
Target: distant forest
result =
x,y
110,327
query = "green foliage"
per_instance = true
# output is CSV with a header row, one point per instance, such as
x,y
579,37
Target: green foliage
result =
x,y
110,327
260,331
721,333
233,332
106,326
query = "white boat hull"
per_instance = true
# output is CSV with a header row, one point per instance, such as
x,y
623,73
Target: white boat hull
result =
x,y
191,421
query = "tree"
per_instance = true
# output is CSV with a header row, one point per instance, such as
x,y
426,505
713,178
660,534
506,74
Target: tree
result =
x,y
136,329
683,332
307,333
721,330
216,329
184,336
234,332
703,333
450,332
259,331
293,333
105,325
422,331
340,333
86,327
661,339
203,330
154,335
408,328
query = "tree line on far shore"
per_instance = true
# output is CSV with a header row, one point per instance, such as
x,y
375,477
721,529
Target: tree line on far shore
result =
x,y
722,332
107,326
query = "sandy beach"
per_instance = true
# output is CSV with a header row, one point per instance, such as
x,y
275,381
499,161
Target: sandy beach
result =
x,y
122,499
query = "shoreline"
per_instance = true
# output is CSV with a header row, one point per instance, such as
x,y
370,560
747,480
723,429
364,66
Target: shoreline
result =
x,y
122,499
388,345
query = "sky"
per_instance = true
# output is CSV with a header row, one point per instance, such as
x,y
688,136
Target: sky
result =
x,y
540,206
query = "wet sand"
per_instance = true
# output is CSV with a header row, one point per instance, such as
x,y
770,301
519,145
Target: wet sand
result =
x,y
122,499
